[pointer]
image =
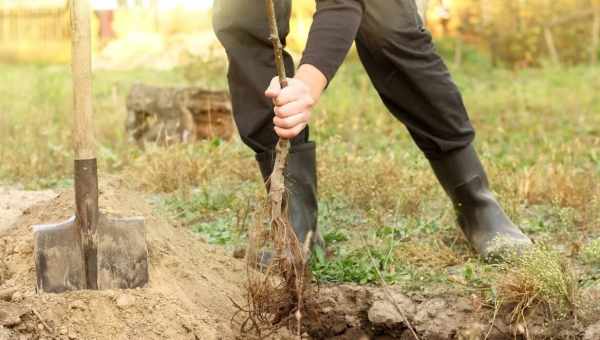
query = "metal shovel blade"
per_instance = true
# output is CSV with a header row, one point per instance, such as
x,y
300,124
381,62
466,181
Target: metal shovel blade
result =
x,y
59,259
122,255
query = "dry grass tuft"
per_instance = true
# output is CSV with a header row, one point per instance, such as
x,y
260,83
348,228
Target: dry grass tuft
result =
x,y
538,278
564,185
181,167
436,253
388,185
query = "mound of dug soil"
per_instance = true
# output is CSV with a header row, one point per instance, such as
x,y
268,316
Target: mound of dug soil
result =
x,y
14,201
191,284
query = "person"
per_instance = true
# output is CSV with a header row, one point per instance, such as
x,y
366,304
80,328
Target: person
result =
x,y
443,13
411,79
105,11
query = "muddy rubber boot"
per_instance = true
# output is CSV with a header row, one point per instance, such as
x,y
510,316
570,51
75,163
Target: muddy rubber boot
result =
x,y
480,216
301,186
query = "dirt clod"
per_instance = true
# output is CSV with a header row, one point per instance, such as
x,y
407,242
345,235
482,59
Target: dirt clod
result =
x,y
384,314
10,314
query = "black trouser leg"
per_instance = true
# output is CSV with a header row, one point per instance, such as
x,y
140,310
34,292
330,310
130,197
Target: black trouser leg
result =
x,y
242,28
411,78
417,88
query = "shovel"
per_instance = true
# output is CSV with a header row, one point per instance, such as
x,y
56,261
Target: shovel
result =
x,y
90,250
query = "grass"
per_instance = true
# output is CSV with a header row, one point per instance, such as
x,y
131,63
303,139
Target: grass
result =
x,y
538,278
538,136
591,253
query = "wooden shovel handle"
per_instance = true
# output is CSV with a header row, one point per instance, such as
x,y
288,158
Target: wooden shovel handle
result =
x,y
81,65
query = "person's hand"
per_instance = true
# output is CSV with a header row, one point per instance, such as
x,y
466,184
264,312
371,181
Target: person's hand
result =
x,y
293,106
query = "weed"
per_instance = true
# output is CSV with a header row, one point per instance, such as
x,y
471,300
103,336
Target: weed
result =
x,y
354,266
220,231
591,253
219,212
539,277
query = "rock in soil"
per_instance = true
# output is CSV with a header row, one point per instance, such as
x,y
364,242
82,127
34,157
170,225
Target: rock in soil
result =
x,y
389,314
125,300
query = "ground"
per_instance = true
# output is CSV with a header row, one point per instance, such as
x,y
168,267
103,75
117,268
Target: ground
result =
x,y
188,297
380,210
194,286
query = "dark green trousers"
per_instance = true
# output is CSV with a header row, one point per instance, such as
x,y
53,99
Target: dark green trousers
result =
x,y
395,49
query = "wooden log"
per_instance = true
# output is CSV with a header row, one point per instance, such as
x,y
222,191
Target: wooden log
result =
x,y
166,115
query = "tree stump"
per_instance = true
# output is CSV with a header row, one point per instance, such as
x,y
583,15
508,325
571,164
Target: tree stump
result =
x,y
168,115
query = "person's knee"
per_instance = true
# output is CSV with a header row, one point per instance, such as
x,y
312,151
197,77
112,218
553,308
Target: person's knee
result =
x,y
392,24
238,22
438,148
228,26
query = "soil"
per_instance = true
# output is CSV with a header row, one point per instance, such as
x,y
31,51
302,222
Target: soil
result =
x,y
13,201
188,297
192,285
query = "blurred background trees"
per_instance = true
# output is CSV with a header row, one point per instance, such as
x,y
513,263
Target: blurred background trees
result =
x,y
527,32
512,33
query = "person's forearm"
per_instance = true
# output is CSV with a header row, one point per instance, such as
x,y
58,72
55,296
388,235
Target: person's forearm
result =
x,y
313,78
332,33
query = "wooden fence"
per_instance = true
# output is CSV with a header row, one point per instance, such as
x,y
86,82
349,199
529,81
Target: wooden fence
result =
x,y
592,14
18,24
35,34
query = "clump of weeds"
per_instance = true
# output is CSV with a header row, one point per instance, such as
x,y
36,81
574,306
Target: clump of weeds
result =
x,y
591,253
537,280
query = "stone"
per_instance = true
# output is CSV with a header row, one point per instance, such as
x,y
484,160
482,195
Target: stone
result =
x,y
383,313
125,300
17,297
